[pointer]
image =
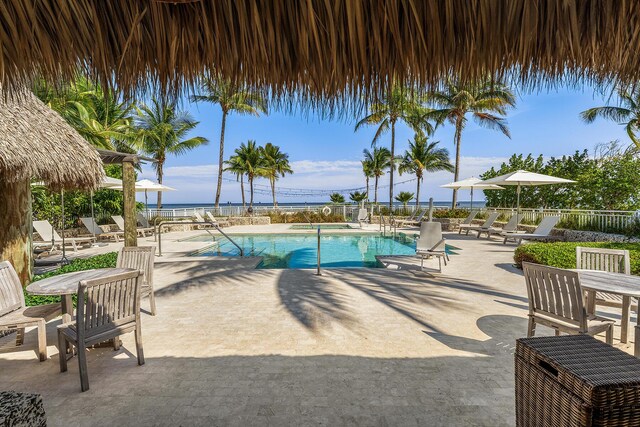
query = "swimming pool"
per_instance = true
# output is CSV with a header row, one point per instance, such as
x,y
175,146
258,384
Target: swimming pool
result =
x,y
322,227
300,250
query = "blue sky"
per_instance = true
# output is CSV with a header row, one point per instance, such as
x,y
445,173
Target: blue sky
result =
x,y
326,154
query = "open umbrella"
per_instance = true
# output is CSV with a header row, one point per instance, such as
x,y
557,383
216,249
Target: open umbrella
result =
x,y
147,185
521,177
470,184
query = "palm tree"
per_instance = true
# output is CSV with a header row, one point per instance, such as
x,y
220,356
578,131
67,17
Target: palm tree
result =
x,y
424,156
357,196
367,170
276,164
379,160
404,197
232,98
235,165
336,198
250,157
398,104
483,99
162,131
627,112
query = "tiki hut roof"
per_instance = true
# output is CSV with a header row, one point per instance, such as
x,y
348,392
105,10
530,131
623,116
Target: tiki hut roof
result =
x,y
320,48
36,143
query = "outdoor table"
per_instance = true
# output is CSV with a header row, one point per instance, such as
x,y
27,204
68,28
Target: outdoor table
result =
x,y
66,285
625,285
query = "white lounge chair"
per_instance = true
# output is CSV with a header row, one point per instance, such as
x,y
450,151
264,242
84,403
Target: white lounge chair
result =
x,y
493,216
52,239
363,216
542,232
142,231
95,229
467,221
430,244
416,219
205,223
212,219
510,226
143,221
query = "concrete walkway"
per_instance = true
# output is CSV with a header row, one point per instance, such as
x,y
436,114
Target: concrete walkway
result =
x,y
232,345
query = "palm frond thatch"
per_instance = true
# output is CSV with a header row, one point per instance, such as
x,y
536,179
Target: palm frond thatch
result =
x,y
36,143
316,50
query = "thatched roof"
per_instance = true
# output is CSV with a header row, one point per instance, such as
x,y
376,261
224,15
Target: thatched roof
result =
x,y
36,143
320,47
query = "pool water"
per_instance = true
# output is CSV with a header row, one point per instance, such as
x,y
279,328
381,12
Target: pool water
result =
x,y
300,250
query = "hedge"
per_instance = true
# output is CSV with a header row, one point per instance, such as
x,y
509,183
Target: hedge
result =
x,y
107,260
563,254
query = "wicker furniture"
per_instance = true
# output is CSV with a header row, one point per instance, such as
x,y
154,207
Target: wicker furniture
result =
x,y
14,314
575,381
614,261
557,300
107,308
140,258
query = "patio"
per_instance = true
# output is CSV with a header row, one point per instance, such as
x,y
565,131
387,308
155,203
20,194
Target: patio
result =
x,y
235,345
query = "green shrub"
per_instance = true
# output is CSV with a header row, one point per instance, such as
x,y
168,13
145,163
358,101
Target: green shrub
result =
x,y
450,213
107,260
563,254
303,217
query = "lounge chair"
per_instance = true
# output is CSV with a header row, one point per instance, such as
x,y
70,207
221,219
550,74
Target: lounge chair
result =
x,y
467,221
510,226
415,219
493,216
542,232
430,244
212,219
205,223
52,239
14,314
142,231
143,221
95,229
363,216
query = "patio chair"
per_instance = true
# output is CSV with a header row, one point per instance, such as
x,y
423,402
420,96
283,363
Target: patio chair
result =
x,y
493,216
510,226
416,219
556,300
205,223
363,216
52,239
219,223
142,231
141,258
95,229
613,261
430,244
107,308
542,232
143,221
14,314
467,221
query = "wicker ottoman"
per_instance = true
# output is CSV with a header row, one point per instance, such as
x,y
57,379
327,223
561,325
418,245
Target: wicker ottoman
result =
x,y
575,380
21,409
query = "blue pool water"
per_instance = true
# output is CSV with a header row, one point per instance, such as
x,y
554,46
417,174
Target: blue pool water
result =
x,y
300,250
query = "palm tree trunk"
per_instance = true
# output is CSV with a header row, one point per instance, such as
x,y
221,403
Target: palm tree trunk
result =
x,y
159,174
273,191
221,158
393,153
251,188
375,192
367,180
417,193
242,191
456,173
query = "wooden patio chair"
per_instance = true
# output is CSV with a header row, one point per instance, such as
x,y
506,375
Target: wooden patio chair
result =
x,y
612,261
14,314
556,300
107,308
140,258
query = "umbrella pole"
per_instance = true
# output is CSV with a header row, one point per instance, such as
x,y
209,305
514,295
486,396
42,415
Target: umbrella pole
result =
x,y
146,204
64,259
518,207
471,198
93,215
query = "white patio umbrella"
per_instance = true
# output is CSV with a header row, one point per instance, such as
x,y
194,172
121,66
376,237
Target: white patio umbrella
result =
x,y
147,185
470,184
521,178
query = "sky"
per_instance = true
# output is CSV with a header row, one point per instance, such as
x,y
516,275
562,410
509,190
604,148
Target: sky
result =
x,y
326,154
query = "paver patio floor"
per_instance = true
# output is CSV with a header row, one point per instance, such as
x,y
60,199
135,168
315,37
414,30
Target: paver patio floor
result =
x,y
232,345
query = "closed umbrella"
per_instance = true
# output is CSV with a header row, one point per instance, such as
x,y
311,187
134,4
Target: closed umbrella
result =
x,y
470,184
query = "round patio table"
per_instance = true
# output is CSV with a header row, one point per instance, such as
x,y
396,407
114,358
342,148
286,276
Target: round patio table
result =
x,y
66,285
625,285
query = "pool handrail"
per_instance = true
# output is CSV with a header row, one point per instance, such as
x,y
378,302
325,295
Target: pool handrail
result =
x,y
215,226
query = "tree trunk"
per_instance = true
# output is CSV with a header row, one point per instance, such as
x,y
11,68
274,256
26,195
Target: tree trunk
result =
x,y
375,192
129,193
15,233
367,180
244,204
251,189
272,181
159,174
221,158
393,164
418,178
456,172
